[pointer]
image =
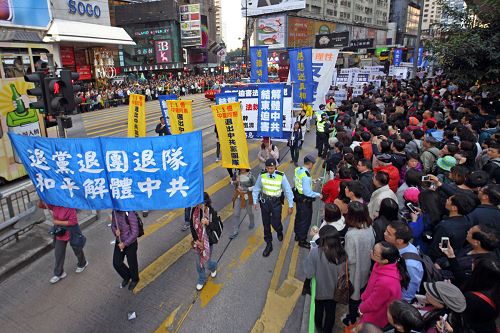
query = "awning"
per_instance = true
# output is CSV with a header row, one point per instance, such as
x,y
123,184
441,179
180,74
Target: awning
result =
x,y
71,31
20,36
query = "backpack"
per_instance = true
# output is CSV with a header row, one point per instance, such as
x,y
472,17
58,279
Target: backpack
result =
x,y
139,222
214,232
434,168
431,273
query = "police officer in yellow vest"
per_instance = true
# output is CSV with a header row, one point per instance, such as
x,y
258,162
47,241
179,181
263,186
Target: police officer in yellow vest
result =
x,y
268,190
322,130
304,197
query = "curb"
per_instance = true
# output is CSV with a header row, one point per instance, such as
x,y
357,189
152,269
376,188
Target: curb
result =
x,y
31,256
304,327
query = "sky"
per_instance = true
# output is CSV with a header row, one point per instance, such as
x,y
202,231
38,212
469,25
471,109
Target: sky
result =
x,y
233,25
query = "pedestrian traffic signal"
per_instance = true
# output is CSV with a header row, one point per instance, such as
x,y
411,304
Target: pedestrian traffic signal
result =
x,y
38,78
56,102
69,89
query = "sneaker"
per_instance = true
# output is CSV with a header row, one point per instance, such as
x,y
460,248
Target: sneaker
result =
x,y
217,159
251,226
213,274
132,285
56,279
124,283
233,236
81,269
199,286
185,227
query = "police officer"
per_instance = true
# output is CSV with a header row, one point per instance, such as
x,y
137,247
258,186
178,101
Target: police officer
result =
x,y
322,128
304,197
269,189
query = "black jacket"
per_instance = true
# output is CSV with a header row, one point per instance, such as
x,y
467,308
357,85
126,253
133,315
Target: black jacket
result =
x,y
455,228
162,131
367,180
486,214
398,160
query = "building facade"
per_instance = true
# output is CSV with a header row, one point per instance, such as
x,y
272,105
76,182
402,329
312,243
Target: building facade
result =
x,y
405,14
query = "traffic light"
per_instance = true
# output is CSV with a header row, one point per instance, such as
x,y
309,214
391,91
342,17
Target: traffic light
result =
x,y
56,102
38,78
69,89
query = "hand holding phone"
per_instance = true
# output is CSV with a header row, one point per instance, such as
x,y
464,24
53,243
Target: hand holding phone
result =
x,y
445,242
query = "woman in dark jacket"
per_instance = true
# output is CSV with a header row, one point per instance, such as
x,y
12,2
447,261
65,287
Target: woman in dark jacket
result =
x,y
203,218
125,227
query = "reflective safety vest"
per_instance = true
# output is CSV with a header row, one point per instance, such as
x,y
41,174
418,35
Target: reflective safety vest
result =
x,y
271,186
300,173
320,126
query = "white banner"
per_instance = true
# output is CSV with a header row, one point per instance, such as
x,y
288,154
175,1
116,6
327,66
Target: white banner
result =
x,y
324,61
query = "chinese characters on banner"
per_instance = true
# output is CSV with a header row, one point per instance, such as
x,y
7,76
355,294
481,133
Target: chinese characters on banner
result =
x,y
301,74
397,57
136,116
164,107
323,69
180,113
225,98
258,61
115,173
270,122
229,123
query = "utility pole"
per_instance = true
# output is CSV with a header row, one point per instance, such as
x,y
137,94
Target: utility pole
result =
x,y
417,42
246,36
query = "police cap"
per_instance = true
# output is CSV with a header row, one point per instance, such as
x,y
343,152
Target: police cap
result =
x,y
270,162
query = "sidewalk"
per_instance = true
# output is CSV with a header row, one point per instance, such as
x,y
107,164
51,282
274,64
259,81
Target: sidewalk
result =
x,y
33,244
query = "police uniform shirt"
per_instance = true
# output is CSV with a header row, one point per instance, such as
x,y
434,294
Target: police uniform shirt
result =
x,y
305,185
284,186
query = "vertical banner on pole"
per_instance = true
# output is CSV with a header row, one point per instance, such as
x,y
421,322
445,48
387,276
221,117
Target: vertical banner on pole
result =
x,y
164,107
180,113
136,116
270,116
233,142
258,61
301,75
397,57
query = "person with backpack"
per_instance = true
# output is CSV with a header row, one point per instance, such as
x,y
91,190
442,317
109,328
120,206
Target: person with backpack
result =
x,y
429,155
399,234
206,229
125,227
388,277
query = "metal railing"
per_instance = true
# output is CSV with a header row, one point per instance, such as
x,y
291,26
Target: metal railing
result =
x,y
14,204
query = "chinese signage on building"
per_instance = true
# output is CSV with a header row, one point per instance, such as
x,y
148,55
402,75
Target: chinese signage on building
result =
x,y
333,40
163,51
190,19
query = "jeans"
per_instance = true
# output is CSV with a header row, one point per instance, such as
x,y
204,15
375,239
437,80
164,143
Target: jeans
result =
x,y
60,254
187,215
325,309
294,152
237,214
132,271
210,264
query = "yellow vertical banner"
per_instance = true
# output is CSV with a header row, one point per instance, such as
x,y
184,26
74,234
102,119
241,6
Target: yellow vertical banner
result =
x,y
136,116
233,142
180,113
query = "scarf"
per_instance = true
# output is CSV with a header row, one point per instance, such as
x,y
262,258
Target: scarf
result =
x,y
201,231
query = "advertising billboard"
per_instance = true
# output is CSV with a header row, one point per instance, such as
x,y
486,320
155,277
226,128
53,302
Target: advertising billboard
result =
x,y
33,14
333,40
261,7
163,51
271,31
190,19
302,31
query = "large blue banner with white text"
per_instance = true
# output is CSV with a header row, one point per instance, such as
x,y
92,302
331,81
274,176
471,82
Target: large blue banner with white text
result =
x,y
164,107
115,173
301,75
270,116
224,98
258,61
397,57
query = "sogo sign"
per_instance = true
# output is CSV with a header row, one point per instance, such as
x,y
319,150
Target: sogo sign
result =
x,y
84,8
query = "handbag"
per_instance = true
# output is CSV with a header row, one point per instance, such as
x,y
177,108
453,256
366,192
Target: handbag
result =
x,y
344,288
76,238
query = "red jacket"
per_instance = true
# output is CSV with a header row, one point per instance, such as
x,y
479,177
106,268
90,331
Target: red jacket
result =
x,y
383,287
367,150
331,189
393,175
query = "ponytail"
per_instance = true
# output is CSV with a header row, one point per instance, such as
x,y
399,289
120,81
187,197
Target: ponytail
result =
x,y
391,254
403,272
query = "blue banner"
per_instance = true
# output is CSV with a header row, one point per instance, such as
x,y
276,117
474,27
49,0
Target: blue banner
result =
x,y
258,64
224,98
420,57
270,116
164,106
301,75
397,57
115,173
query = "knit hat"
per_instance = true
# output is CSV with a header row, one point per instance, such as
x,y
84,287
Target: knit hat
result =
x,y
384,158
446,294
413,121
411,194
446,162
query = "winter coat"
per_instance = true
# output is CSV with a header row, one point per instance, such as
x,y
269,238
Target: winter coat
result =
x,y
376,199
331,189
325,272
429,158
128,225
383,288
358,243
393,173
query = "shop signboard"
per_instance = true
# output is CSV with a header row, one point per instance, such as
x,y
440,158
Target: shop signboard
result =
x,y
333,40
67,56
163,51
302,31
190,19
84,71
85,11
262,7
271,31
33,14
362,43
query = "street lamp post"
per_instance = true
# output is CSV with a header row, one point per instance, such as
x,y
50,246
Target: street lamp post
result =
x,y
417,42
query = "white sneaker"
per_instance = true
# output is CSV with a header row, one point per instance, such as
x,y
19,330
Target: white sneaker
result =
x,y
199,286
81,269
213,274
217,159
56,279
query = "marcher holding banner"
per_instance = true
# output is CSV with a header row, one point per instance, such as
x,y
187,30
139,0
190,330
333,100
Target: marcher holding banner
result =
x,y
136,116
242,199
180,113
229,123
